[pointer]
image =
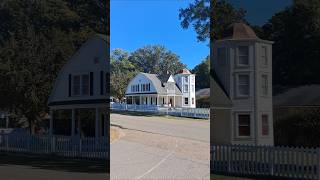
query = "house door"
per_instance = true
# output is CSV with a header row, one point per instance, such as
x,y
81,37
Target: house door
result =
x,y
171,104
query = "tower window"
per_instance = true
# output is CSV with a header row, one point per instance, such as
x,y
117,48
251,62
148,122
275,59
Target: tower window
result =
x,y
243,87
243,56
244,125
186,101
264,84
264,59
186,88
265,125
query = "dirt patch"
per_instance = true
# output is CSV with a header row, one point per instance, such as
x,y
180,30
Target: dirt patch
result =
x,y
114,134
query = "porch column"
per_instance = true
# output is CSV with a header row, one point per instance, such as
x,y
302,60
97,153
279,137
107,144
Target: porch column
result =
x,y
51,122
96,129
140,103
73,116
167,101
157,100
174,101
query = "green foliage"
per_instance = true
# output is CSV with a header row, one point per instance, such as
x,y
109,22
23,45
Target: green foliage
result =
x,y
296,51
149,59
198,14
302,129
37,37
202,72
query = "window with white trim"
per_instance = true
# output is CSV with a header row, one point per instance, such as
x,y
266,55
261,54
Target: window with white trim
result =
x,y
243,55
264,84
80,85
265,125
186,101
186,88
243,87
244,125
186,79
264,58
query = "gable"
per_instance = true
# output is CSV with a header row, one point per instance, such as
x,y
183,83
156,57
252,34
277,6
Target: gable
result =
x,y
92,59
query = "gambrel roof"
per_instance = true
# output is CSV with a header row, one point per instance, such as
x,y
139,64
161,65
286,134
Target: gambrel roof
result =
x,y
158,83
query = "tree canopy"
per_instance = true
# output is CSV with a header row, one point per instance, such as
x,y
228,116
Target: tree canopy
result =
x,y
155,59
36,39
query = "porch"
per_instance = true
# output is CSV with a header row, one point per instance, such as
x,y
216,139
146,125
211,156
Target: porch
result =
x,y
79,121
168,100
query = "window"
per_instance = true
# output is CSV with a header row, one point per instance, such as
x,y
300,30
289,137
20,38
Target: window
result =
x,y
221,56
192,100
85,88
186,101
192,79
76,85
265,125
186,88
264,59
243,57
192,88
264,84
186,79
244,125
243,85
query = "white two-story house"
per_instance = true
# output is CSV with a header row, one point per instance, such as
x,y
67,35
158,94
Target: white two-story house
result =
x,y
78,101
167,91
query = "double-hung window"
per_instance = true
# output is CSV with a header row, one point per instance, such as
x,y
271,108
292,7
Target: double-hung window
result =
x,y
264,85
80,85
243,56
264,57
243,86
243,125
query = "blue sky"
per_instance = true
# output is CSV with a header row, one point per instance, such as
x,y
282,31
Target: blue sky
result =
x,y
136,23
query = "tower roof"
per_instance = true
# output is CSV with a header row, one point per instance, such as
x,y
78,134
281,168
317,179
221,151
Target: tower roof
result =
x,y
239,31
184,71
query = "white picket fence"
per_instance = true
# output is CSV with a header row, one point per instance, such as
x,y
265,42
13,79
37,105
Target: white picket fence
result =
x,y
203,113
300,163
73,147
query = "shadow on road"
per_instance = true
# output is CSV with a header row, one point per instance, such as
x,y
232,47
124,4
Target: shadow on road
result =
x,y
55,163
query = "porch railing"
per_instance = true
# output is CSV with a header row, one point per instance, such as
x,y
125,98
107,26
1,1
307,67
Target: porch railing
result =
x,y
74,147
203,113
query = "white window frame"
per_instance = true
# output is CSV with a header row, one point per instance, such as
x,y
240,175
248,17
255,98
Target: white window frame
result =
x,y
186,90
237,85
186,101
72,84
264,59
238,56
186,79
264,85
237,124
268,124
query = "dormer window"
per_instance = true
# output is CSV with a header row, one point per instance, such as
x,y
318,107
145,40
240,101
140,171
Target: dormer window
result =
x,y
81,85
243,56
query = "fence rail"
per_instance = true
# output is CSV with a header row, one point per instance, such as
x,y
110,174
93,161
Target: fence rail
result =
x,y
300,163
87,148
203,113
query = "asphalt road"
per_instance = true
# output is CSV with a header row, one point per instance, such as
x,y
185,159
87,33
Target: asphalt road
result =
x,y
154,147
193,129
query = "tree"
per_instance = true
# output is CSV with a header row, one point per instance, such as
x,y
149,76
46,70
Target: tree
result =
x,y
122,71
156,59
36,39
198,15
296,51
202,72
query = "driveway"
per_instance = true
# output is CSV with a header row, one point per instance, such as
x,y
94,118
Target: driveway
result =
x,y
157,147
